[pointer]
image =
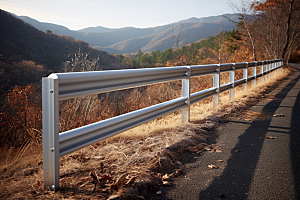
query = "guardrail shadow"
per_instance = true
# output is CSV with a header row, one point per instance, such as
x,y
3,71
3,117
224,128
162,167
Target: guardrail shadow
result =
x,y
235,181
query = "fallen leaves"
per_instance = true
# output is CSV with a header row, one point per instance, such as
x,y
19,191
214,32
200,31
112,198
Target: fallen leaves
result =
x,y
207,148
101,182
203,147
250,115
220,161
178,172
106,177
278,115
192,149
270,137
212,166
165,177
166,183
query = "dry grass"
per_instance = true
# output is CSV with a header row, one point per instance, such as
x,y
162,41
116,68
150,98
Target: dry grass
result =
x,y
204,108
135,160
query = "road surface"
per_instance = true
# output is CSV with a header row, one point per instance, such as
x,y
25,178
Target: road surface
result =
x,y
254,166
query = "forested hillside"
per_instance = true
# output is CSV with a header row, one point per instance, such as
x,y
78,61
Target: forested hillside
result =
x,y
227,46
27,54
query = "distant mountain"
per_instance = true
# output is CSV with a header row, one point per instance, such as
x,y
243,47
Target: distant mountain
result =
x,y
27,54
21,41
98,29
130,39
43,26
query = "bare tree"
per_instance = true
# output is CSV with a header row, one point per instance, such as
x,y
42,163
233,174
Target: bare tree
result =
x,y
176,34
243,12
82,106
80,62
221,38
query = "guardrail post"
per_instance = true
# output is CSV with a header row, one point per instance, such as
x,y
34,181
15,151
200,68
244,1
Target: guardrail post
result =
x,y
245,76
262,71
267,70
50,133
272,65
254,73
232,80
279,63
216,83
185,112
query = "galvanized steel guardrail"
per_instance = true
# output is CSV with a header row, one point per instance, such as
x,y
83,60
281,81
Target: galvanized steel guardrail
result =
x,y
60,86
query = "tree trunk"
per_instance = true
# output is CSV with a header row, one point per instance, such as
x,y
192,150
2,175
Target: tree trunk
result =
x,y
287,41
252,42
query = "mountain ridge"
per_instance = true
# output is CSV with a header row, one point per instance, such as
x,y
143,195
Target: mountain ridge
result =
x,y
130,39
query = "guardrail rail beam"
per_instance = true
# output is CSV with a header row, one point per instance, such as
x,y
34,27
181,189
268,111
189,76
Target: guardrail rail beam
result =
x,y
59,86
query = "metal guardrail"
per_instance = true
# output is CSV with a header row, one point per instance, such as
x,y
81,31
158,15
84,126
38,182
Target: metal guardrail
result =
x,y
60,86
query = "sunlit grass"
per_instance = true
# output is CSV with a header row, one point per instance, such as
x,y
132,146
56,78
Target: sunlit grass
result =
x,y
204,108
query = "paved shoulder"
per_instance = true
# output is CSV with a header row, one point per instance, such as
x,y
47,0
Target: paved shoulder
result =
x,y
261,158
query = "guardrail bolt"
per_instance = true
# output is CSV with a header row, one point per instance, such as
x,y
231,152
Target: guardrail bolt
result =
x,y
52,149
51,91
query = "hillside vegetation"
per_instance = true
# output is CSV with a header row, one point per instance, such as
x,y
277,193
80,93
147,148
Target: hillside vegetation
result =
x,y
228,46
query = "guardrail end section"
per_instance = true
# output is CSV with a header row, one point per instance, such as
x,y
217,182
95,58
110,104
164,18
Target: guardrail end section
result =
x,y
50,108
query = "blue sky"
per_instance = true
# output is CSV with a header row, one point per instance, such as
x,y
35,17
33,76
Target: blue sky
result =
x,y
78,14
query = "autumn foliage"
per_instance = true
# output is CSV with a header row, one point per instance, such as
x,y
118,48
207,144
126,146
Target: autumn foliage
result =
x,y
263,6
22,120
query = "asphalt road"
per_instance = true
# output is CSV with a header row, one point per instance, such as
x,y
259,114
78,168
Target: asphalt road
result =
x,y
254,167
